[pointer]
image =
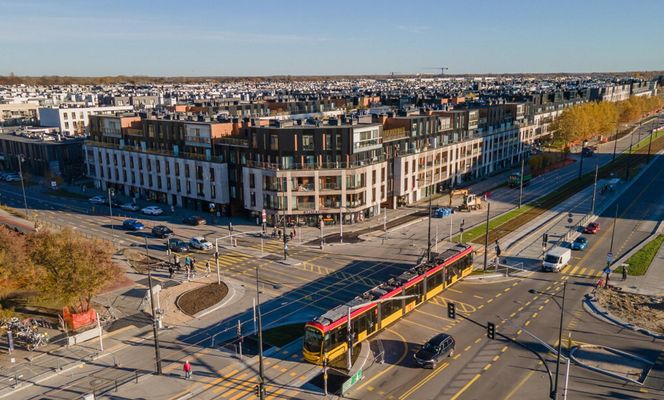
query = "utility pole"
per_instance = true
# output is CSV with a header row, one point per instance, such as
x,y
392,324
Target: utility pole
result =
x,y
615,142
592,207
285,240
554,395
613,235
20,172
110,212
341,224
155,331
629,156
486,235
261,375
521,183
429,229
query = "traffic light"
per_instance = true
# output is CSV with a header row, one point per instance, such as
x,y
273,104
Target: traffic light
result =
x,y
491,330
451,311
258,391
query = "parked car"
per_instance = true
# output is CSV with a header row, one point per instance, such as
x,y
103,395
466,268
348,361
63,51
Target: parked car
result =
x,y
162,231
97,200
592,227
580,243
132,224
152,210
194,220
434,350
177,245
201,243
130,207
12,177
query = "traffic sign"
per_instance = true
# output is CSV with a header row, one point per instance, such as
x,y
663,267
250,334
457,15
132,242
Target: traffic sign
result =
x,y
350,382
607,270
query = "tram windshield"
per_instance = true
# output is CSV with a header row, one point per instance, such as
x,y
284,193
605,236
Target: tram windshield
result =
x,y
313,340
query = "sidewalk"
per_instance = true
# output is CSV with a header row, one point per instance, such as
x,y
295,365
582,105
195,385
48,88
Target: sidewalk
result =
x,y
652,283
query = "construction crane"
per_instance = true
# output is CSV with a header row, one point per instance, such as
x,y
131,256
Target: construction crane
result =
x,y
442,69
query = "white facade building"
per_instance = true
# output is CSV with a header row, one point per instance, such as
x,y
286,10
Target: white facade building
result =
x,y
74,120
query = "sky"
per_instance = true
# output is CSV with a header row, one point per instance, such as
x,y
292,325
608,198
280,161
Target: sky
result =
x,y
270,37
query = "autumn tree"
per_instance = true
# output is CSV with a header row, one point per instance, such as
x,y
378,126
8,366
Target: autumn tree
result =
x,y
74,269
17,272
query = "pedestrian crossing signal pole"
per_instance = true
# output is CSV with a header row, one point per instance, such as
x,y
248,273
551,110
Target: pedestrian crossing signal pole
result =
x,y
216,260
325,375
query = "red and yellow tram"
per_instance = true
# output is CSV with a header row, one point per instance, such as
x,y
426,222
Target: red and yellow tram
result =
x,y
326,336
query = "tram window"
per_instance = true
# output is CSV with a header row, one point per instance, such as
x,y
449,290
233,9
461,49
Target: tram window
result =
x,y
390,307
435,279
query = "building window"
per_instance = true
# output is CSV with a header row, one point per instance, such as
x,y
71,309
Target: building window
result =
x,y
338,142
199,173
186,171
307,142
66,125
213,191
177,169
188,184
211,174
252,181
274,142
252,198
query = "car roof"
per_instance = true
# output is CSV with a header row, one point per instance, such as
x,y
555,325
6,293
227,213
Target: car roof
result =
x,y
130,220
438,339
581,239
199,238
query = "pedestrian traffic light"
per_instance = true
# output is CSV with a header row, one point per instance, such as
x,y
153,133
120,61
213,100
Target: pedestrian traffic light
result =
x,y
491,330
451,311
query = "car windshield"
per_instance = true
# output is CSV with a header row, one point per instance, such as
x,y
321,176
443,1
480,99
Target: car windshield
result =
x,y
313,340
552,259
580,240
431,348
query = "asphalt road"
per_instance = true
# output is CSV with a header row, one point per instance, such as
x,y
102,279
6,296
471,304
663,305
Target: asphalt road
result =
x,y
483,367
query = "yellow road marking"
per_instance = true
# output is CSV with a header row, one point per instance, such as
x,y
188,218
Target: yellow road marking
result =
x,y
467,348
495,358
487,367
465,387
570,273
424,381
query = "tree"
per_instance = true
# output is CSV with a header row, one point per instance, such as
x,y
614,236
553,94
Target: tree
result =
x,y
74,269
17,272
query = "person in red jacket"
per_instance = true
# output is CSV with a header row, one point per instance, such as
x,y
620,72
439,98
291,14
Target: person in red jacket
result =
x,y
187,370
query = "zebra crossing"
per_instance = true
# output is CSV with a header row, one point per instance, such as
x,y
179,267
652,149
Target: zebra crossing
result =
x,y
578,271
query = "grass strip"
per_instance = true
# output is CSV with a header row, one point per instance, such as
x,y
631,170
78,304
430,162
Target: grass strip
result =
x,y
640,261
506,223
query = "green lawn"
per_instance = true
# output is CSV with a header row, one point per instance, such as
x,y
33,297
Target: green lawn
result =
x,y
65,193
641,260
479,231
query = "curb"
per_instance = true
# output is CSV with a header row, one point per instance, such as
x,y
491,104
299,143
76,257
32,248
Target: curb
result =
x,y
589,304
605,372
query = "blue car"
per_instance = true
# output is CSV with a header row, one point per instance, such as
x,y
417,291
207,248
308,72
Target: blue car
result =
x,y
442,212
580,243
132,225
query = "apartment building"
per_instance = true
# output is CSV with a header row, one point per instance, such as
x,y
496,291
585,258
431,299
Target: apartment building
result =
x,y
18,114
170,161
74,120
315,173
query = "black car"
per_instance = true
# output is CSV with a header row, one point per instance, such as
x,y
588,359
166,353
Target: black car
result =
x,y
587,152
162,231
177,245
439,346
194,220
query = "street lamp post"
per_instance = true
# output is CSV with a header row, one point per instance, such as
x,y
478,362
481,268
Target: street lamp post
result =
x,y
592,207
261,374
155,331
560,342
486,235
341,225
613,235
629,156
615,142
20,173
652,132
110,211
521,181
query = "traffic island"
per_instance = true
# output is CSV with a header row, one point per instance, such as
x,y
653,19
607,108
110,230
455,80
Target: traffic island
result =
x,y
194,301
646,312
612,362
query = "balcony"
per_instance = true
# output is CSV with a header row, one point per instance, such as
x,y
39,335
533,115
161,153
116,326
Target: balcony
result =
x,y
197,141
109,132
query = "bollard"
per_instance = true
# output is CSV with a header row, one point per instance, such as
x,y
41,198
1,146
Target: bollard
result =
x,y
136,376
116,385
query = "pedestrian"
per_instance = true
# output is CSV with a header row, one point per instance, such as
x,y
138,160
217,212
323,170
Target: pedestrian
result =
x,y
187,272
292,235
279,233
192,263
172,209
274,232
187,261
624,273
187,370
207,268
286,249
230,226
177,262
171,271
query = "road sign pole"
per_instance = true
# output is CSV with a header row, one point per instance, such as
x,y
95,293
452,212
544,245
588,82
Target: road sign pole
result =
x,y
486,235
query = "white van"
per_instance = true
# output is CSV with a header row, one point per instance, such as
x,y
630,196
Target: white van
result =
x,y
556,259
